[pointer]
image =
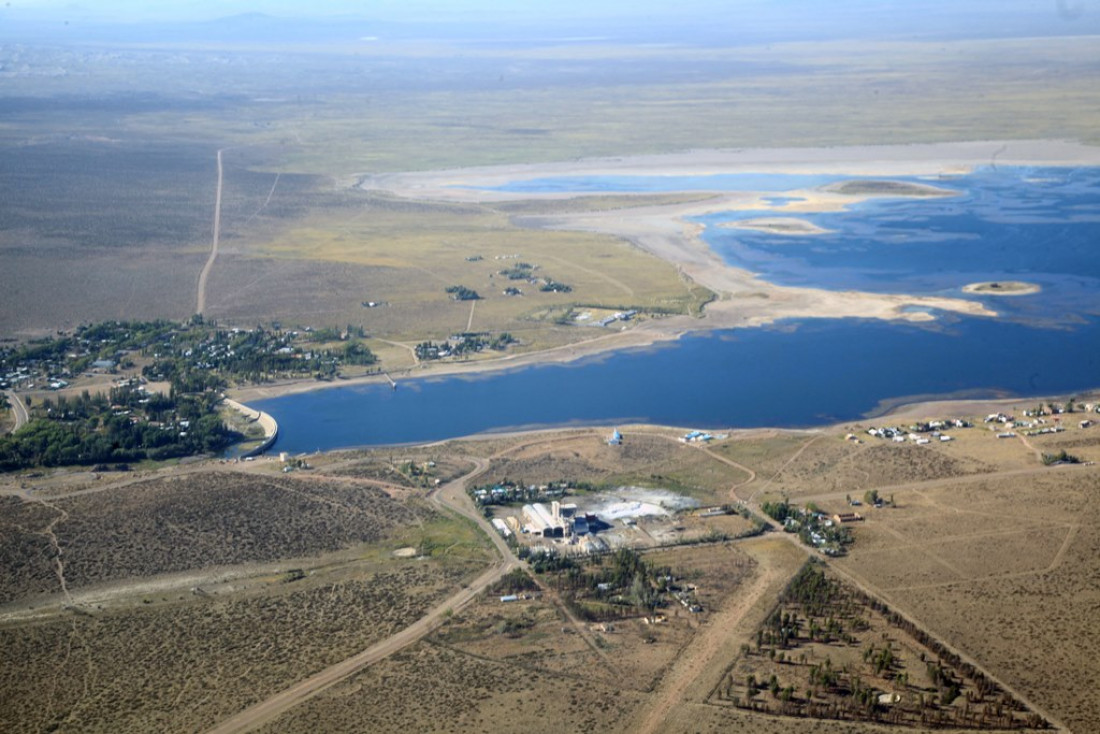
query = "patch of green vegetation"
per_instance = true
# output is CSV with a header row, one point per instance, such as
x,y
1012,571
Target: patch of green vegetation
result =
x,y
447,536
460,345
462,293
132,423
1060,458
128,425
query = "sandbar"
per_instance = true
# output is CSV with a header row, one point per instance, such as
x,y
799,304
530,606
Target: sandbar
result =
x,y
873,187
1003,288
789,226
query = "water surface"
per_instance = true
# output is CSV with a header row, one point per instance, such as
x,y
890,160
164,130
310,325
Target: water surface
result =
x,y
793,375
1039,225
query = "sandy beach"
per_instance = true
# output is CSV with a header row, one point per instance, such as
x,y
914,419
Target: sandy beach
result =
x,y
743,299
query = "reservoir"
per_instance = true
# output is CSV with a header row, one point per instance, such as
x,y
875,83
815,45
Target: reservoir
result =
x,y
789,375
1039,225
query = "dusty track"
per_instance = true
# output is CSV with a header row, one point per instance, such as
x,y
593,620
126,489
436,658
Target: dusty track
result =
x,y
267,711
200,299
693,662
18,410
450,497
866,587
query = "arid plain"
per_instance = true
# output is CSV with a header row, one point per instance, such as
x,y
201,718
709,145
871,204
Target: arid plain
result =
x,y
364,590
221,586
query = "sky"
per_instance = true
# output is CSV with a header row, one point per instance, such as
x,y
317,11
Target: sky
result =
x,y
135,10
804,18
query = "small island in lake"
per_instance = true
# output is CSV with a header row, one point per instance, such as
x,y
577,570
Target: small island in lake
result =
x,y
778,225
875,187
1003,288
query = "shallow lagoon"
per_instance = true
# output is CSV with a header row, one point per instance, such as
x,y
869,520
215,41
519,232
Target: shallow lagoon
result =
x,y
1008,223
1002,223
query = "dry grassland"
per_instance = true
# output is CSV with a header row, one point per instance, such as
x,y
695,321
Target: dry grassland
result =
x,y
520,666
184,599
644,459
185,665
1005,570
136,174
198,520
428,688
405,255
828,464
986,549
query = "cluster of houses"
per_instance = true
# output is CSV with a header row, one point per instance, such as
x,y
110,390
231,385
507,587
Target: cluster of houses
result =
x,y
460,344
1035,428
504,493
48,375
617,316
685,595
919,433
823,532
1053,409
1037,423
21,377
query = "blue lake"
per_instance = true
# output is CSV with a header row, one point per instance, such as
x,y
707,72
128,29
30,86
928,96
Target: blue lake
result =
x,y
795,374
1041,225
1009,223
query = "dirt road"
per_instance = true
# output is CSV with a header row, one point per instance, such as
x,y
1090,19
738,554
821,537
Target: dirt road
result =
x,y
18,410
449,497
690,666
871,590
200,300
269,710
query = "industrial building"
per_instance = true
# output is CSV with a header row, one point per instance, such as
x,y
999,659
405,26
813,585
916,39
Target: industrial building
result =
x,y
501,527
543,522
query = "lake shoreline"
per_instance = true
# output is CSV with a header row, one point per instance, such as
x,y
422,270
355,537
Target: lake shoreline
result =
x,y
744,300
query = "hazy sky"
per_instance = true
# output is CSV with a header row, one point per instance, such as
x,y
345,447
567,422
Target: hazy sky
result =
x,y
703,21
203,9
400,9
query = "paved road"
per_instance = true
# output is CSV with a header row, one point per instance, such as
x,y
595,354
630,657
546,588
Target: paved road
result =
x,y
200,300
451,496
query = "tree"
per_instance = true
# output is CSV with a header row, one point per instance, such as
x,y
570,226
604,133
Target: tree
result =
x,y
871,496
640,592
